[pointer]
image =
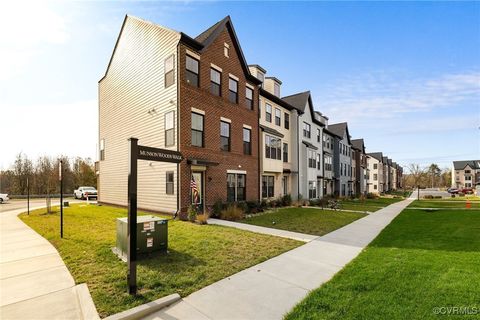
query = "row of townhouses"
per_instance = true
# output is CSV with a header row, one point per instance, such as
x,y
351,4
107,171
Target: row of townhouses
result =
x,y
466,174
240,138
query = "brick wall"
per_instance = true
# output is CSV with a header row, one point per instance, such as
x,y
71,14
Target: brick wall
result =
x,y
214,108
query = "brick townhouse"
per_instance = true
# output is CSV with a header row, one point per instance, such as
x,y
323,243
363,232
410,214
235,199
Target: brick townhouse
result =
x,y
193,95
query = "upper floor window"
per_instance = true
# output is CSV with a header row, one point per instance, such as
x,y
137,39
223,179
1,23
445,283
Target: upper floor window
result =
x,y
272,148
249,98
319,162
224,136
312,161
215,82
286,120
278,115
306,130
233,90
375,166
467,171
276,89
268,112
285,152
197,129
247,141
192,71
169,71
261,77
375,177
169,129
319,133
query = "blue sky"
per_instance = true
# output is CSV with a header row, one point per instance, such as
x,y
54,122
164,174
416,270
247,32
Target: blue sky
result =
x,y
405,75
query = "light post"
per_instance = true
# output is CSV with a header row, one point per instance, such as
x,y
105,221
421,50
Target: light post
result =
x,y
60,177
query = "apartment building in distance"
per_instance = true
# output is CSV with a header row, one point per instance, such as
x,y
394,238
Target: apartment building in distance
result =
x,y
278,132
309,151
328,159
342,159
360,169
176,92
466,174
376,168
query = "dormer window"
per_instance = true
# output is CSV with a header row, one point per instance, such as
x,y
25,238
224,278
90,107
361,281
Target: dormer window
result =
x,y
261,77
276,89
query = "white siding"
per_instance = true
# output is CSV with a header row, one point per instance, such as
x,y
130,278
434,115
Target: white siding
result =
x,y
133,86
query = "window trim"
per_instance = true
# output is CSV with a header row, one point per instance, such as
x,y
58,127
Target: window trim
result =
x,y
249,102
228,137
245,142
192,72
278,116
169,129
168,183
167,73
202,131
230,91
268,115
268,186
213,83
286,120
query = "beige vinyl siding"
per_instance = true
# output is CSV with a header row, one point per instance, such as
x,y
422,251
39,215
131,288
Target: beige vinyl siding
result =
x,y
133,86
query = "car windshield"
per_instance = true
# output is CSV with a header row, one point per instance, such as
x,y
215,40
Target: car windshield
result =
x,y
89,188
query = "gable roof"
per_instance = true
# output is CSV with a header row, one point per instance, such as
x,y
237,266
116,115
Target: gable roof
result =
x,y
207,37
358,144
339,129
376,155
460,165
299,101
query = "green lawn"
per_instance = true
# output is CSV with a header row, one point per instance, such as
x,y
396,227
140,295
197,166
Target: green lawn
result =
x,y
444,204
419,262
305,220
198,255
370,205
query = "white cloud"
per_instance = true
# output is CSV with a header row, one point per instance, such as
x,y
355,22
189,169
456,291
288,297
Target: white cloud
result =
x,y
383,95
26,26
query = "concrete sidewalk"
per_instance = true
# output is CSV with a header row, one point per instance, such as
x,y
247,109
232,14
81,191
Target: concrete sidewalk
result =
x,y
272,288
34,281
270,231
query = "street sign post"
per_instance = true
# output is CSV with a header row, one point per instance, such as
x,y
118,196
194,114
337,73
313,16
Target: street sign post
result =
x,y
60,177
136,153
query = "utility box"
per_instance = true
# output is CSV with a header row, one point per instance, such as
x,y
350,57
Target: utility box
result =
x,y
152,235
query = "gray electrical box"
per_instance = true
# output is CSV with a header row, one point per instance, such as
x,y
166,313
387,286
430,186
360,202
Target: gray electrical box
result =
x,y
152,235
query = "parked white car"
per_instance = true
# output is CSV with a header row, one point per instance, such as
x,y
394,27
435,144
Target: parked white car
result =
x,y
83,192
4,197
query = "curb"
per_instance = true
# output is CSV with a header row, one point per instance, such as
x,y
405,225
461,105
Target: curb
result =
x,y
87,307
145,309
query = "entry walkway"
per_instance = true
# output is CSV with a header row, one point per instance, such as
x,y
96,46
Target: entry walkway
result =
x,y
270,231
34,281
272,288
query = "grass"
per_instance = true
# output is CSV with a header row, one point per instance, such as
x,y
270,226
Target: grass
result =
x,y
198,255
370,205
419,262
443,204
305,220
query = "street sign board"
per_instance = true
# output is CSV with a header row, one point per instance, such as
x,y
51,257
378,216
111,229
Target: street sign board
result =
x,y
156,154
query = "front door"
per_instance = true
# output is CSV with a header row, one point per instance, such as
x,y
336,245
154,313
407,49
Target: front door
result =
x,y
197,190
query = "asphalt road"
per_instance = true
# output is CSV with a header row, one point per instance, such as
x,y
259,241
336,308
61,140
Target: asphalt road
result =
x,y
432,191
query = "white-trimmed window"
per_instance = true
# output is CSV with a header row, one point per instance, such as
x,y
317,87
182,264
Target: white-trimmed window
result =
x,y
169,176
192,70
276,89
278,117
215,82
273,148
249,98
197,129
169,71
224,136
247,141
233,90
306,130
226,50
170,129
268,112
268,186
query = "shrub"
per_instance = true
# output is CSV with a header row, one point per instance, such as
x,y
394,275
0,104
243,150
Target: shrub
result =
x,y
242,205
183,216
192,213
217,208
372,195
263,205
428,196
286,200
315,202
252,207
232,213
202,218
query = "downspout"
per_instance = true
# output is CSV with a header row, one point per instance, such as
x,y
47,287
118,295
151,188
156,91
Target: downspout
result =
x,y
298,154
178,127
259,143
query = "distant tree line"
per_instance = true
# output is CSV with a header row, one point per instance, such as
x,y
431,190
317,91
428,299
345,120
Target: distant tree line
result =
x,y
43,175
427,177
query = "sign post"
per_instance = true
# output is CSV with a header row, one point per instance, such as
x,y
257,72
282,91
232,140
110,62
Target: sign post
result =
x,y
60,177
28,197
136,153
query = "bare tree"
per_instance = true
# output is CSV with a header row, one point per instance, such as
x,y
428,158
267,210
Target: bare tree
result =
x,y
416,174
